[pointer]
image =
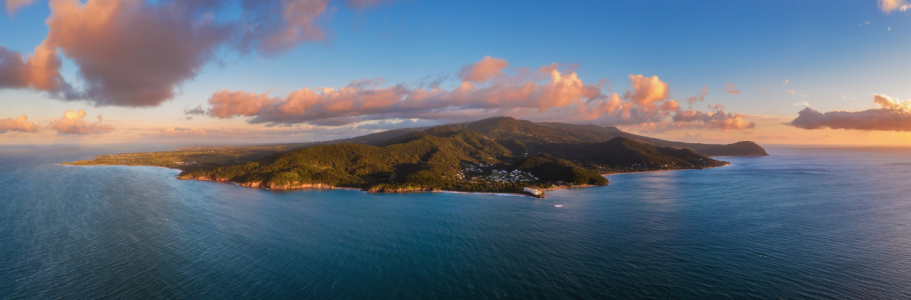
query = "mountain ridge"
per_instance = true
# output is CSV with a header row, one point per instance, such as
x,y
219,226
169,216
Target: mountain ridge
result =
x,y
514,134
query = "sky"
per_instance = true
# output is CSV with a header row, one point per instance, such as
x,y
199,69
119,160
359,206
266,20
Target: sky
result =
x,y
275,71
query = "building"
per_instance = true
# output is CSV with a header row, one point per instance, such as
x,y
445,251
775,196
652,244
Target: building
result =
x,y
534,192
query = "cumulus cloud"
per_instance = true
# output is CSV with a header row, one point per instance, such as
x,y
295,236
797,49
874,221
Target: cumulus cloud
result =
x,y
39,71
13,5
889,6
549,93
550,88
891,103
713,120
894,115
731,89
647,90
138,53
73,123
183,132
20,124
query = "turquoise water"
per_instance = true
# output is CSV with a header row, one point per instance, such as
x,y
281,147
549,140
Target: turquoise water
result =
x,y
802,223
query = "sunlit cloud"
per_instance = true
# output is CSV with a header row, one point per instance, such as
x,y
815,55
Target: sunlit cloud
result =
x,y
20,124
73,123
889,6
548,93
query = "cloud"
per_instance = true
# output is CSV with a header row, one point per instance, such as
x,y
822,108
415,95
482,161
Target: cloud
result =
x,y
483,70
647,90
889,6
39,71
227,104
713,120
805,103
19,124
138,53
698,98
549,93
196,111
730,89
183,132
787,82
72,123
548,89
891,103
894,115
792,92
13,5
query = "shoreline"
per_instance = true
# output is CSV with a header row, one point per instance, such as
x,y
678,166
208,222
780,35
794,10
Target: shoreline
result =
x,y
319,186
622,173
108,165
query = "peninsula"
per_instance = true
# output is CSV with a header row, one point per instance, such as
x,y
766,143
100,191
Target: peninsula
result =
x,y
501,155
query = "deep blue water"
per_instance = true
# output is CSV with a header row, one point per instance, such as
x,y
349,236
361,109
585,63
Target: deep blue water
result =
x,y
802,223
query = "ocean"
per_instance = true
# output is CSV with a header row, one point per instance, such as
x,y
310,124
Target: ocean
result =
x,y
805,222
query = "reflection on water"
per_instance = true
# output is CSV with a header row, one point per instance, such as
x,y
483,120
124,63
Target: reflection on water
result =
x,y
803,223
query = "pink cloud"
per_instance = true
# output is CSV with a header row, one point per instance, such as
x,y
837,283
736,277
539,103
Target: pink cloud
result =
x,y
557,88
39,71
484,70
73,123
713,120
13,5
698,98
19,124
550,93
731,89
227,104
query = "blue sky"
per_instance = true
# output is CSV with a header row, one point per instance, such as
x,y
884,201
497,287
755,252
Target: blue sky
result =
x,y
825,49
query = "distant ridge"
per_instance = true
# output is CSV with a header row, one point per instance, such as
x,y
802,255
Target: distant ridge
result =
x,y
745,148
518,135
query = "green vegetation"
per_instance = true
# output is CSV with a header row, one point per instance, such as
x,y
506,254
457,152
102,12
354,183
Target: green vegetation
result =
x,y
551,169
736,149
423,162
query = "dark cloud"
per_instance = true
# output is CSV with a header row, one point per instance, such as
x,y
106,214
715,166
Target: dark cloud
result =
x,y
894,115
140,53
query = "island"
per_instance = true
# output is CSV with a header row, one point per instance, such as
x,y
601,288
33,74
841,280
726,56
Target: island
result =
x,y
496,155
